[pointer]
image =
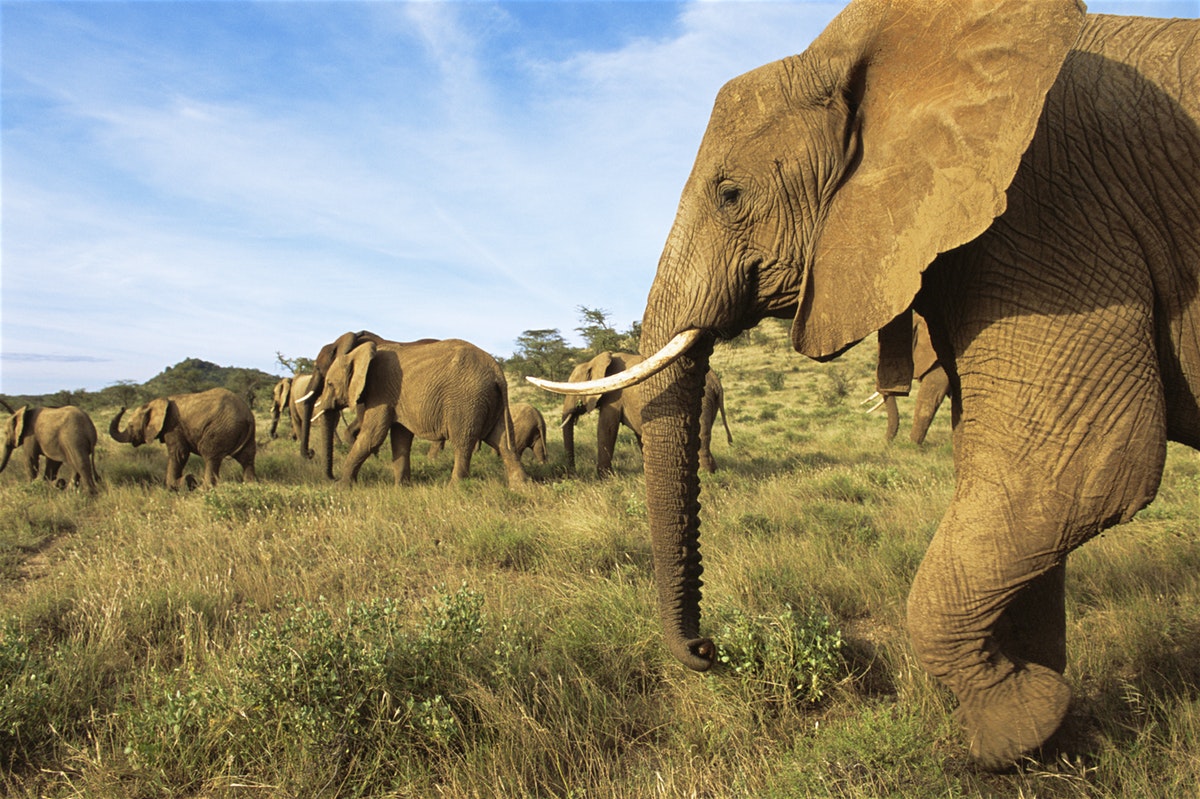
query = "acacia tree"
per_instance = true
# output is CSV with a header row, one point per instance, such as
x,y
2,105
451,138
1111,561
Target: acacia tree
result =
x,y
542,353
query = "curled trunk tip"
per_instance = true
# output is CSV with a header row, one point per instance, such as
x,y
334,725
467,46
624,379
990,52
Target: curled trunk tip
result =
x,y
698,654
114,428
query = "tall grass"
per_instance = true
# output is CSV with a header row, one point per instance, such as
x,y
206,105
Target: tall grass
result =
x,y
293,638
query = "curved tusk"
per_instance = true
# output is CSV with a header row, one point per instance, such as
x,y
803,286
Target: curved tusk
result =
x,y
868,399
631,376
875,407
304,399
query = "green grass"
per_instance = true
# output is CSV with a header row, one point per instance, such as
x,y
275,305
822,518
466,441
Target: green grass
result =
x,y
294,638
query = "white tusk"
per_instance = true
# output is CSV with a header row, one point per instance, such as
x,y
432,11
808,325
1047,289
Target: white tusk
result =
x,y
631,376
868,399
876,407
304,399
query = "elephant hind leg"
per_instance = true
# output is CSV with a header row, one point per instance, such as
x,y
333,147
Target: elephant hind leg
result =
x,y
514,472
212,471
245,458
463,451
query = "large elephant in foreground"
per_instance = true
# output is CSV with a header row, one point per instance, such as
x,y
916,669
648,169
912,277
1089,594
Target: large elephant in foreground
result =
x,y
624,407
62,435
448,390
933,383
214,424
1027,178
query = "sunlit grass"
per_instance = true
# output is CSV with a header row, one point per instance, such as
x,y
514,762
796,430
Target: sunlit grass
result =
x,y
297,638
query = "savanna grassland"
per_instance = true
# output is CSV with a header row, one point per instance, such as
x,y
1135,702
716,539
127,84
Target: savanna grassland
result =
x,y
295,638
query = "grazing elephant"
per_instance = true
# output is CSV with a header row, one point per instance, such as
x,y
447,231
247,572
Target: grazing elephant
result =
x,y
529,432
933,388
624,407
214,424
434,390
62,435
1027,178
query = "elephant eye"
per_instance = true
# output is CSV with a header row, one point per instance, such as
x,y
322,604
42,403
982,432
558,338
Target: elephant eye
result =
x,y
730,195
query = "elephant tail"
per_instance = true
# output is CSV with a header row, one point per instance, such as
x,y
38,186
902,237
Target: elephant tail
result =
x,y
724,421
510,432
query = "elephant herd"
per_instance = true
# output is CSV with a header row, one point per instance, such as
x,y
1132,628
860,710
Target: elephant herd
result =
x,y
436,390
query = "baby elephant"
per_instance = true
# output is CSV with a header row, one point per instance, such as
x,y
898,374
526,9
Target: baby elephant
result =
x,y
63,435
529,430
214,424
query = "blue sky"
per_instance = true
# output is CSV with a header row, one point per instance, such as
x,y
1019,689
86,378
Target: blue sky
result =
x,y
228,180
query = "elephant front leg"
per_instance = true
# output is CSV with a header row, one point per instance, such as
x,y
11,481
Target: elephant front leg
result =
x,y
967,602
176,460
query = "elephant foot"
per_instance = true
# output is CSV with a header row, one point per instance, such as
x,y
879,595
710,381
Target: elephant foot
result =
x,y
191,482
1016,716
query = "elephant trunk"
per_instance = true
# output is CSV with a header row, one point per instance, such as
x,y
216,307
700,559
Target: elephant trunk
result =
x,y
115,431
670,451
568,434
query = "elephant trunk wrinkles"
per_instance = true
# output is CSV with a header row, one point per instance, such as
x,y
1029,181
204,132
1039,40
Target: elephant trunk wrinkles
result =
x,y
671,446
115,431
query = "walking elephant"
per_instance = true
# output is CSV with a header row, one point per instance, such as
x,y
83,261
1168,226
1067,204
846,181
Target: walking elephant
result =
x,y
214,424
434,390
624,407
933,384
63,435
1027,178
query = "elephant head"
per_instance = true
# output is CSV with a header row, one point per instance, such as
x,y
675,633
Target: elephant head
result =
x,y
576,405
306,402
17,427
824,186
145,424
280,397
345,379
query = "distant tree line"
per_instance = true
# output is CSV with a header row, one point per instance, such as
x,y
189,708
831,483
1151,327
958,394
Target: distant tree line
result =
x,y
189,375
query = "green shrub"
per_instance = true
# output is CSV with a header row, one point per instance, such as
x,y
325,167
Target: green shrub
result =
x,y
793,657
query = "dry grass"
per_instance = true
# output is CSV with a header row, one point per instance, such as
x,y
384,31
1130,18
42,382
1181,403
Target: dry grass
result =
x,y
292,638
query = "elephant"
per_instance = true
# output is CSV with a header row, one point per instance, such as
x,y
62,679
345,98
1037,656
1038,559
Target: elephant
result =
x,y
624,407
214,424
433,390
933,388
1025,177
281,397
305,401
529,432
63,435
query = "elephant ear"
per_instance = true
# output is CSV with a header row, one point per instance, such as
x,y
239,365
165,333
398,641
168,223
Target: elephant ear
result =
x,y
598,367
20,422
359,363
945,98
162,416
